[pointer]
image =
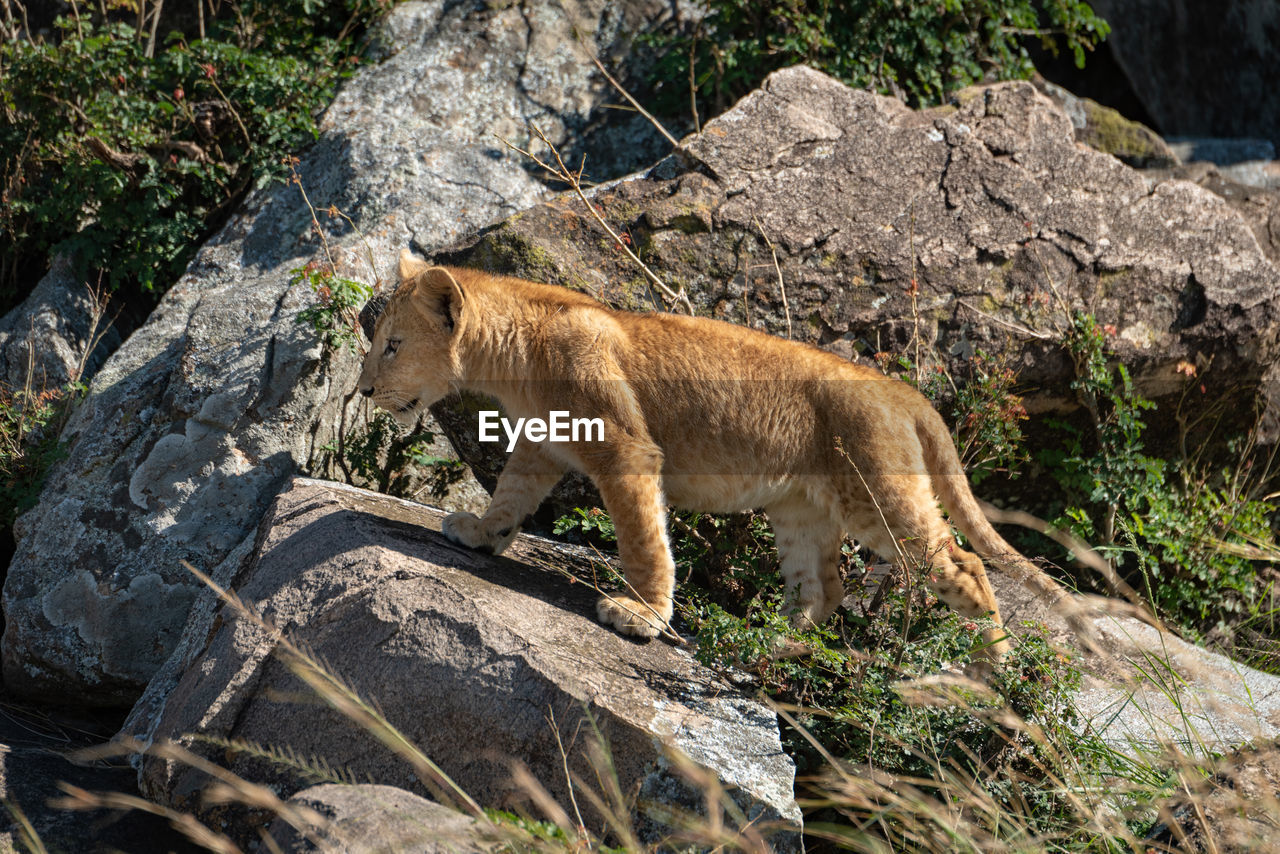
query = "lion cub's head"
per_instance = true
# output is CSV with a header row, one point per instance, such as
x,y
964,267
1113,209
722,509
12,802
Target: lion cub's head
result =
x,y
413,358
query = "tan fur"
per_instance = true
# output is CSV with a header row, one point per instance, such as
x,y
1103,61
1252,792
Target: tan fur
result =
x,y
700,414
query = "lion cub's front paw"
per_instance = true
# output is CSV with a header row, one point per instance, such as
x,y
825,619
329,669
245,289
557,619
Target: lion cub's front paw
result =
x,y
631,616
467,529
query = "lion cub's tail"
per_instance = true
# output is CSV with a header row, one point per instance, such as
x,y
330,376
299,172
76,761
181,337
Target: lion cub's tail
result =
x,y
952,486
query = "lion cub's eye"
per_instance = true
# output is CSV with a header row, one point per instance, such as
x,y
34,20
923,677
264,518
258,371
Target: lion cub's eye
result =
x,y
392,344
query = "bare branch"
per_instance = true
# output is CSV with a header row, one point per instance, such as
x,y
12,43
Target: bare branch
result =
x,y
574,180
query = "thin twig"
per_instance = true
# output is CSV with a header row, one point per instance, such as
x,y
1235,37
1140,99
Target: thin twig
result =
x,y
155,25
564,761
782,286
213,80
1030,333
616,85
574,180
693,84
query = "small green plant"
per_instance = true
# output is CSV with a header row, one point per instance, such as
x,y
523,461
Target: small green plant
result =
x,y
335,316
921,51
988,420
591,525
382,457
986,412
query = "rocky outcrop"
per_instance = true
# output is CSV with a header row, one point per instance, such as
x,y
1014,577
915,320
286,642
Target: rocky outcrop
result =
x,y
369,819
1258,206
486,664
1149,690
193,425
981,226
1199,67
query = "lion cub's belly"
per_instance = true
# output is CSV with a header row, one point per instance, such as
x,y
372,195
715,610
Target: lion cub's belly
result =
x,y
723,493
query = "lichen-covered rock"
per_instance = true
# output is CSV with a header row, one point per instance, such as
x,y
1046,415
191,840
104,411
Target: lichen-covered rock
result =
x,y
1106,130
193,424
481,662
981,226
1258,206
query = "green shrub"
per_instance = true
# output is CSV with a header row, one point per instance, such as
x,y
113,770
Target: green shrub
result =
x,y
921,50
1184,540
124,154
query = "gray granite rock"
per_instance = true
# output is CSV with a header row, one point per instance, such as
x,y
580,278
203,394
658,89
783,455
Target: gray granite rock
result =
x,y
470,656
366,818
45,336
192,426
1002,222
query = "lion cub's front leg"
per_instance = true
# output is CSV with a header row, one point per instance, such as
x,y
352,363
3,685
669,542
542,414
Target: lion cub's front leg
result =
x,y
639,513
526,479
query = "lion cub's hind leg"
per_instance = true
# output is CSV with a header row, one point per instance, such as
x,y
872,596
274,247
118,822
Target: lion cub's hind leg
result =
x,y
907,525
808,541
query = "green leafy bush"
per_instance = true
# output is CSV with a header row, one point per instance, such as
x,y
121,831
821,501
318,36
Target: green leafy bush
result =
x,y
919,50
123,153
1188,542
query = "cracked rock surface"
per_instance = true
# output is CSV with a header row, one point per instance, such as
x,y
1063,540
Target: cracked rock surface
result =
x,y
1002,220
195,422
483,663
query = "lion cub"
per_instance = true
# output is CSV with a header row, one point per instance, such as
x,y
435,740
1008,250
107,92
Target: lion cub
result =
x,y
697,413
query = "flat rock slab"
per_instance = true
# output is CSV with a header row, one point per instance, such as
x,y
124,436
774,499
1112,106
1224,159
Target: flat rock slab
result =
x,y
370,819
192,426
1154,689
472,657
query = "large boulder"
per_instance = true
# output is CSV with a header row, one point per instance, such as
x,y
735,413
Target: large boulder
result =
x,y
845,219
1144,690
484,663
194,424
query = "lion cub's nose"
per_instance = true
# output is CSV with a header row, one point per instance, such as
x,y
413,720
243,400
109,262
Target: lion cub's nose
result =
x,y
367,392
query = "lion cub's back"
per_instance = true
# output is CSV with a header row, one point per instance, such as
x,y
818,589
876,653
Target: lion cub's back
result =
x,y
675,346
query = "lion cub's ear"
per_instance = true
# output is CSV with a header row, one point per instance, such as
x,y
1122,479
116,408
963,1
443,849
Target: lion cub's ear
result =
x,y
437,294
410,266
